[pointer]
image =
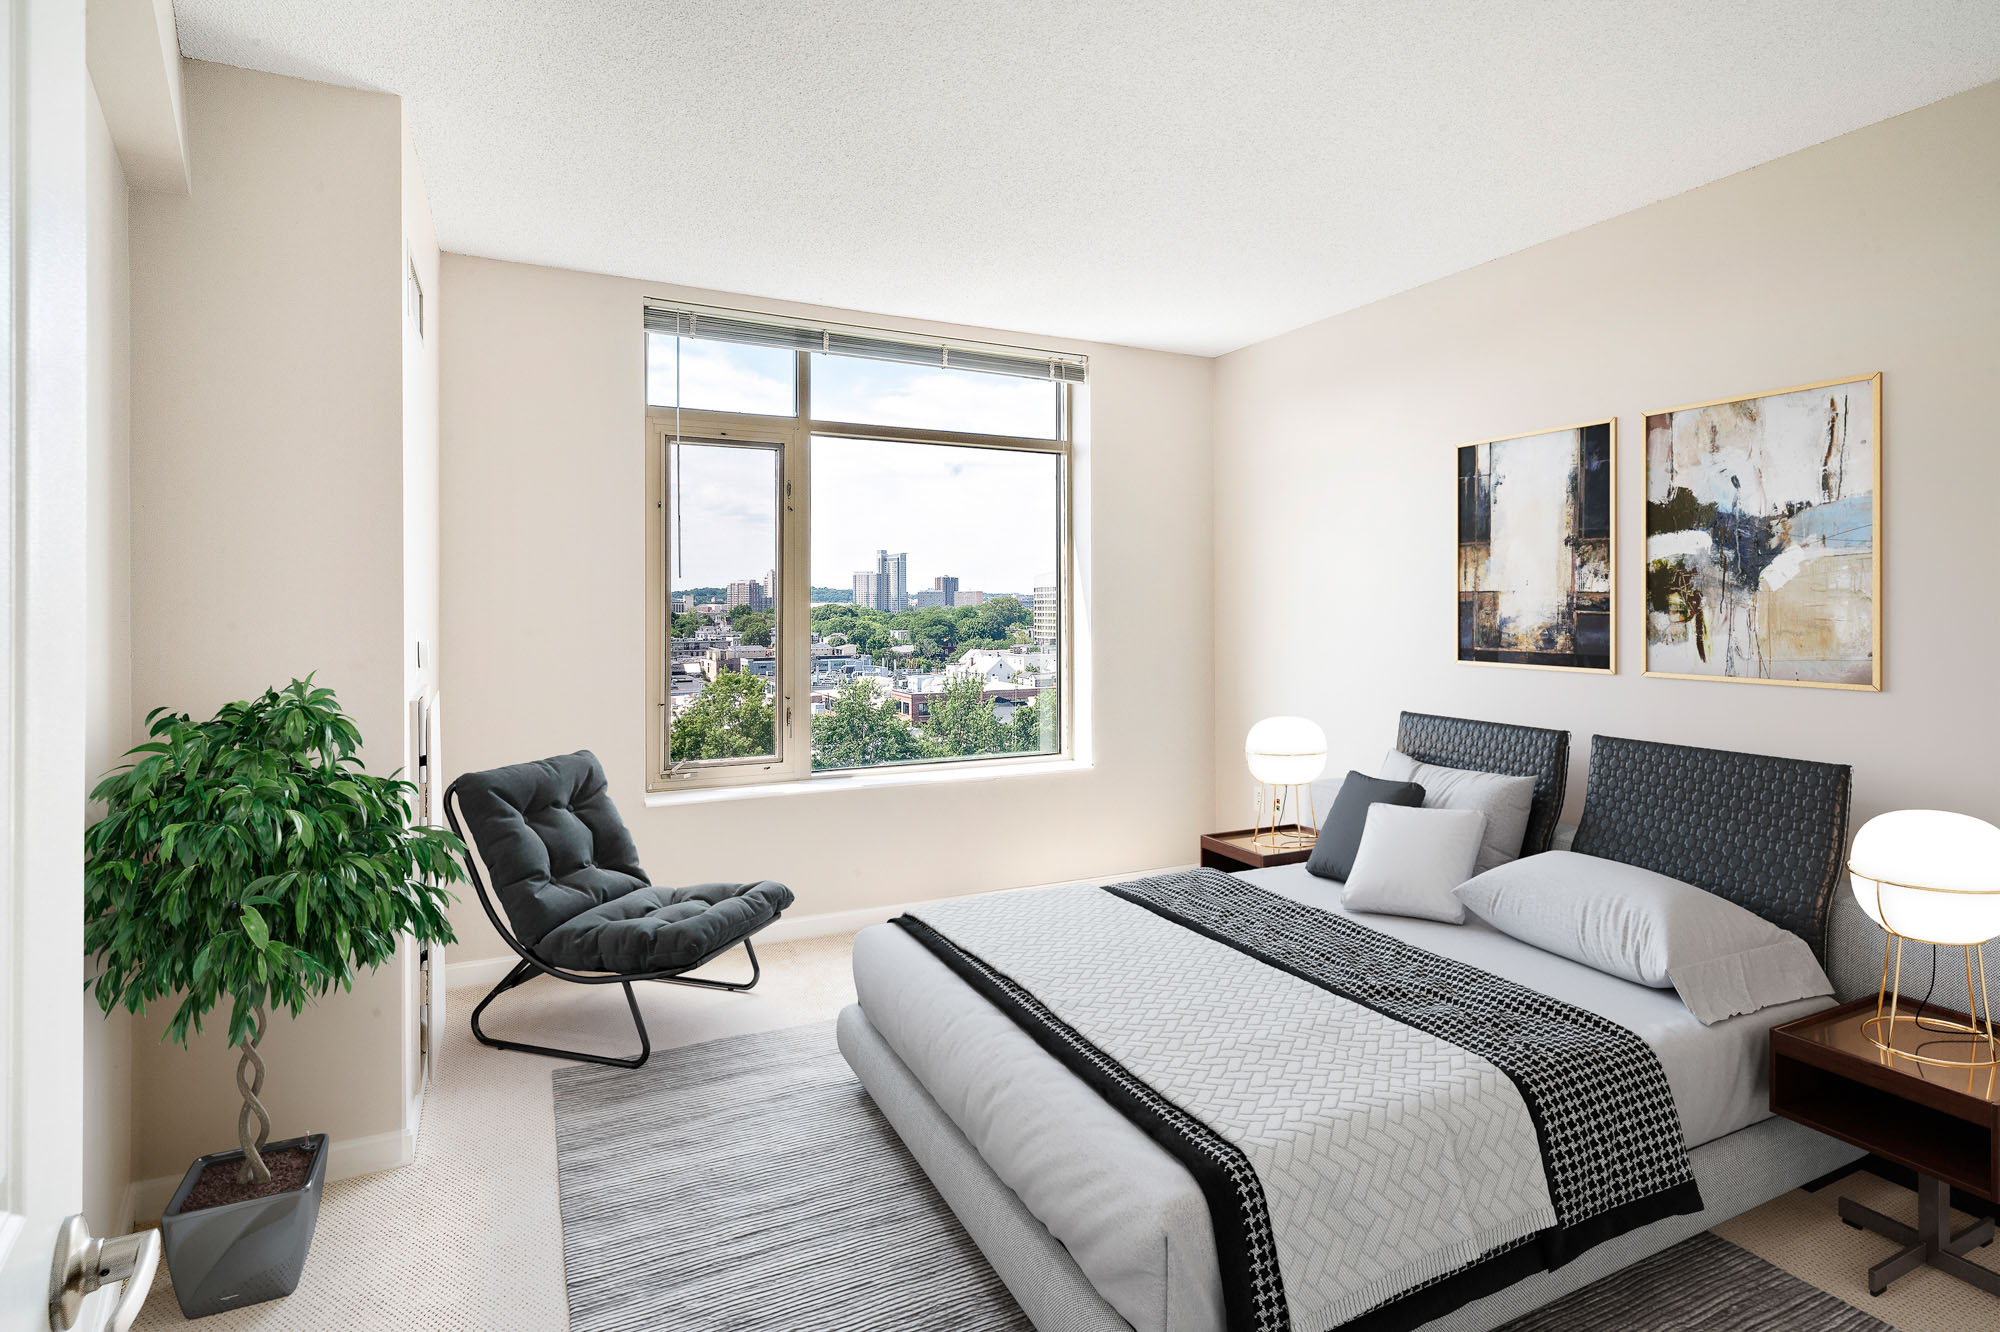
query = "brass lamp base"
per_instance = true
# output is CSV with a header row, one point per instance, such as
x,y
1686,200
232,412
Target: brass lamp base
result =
x,y
1982,1050
1266,835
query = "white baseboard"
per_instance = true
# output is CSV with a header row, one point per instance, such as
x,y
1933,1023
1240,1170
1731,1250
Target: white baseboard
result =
x,y
488,970
347,1158
480,971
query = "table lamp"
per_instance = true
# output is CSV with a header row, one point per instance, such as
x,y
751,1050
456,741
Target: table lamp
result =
x,y
1934,877
1285,755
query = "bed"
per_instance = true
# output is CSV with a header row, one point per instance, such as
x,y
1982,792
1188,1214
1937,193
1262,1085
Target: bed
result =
x,y
1094,1224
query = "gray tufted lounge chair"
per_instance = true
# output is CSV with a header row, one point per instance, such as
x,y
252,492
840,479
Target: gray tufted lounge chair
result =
x,y
577,906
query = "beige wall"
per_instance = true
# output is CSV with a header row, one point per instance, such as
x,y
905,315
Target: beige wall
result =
x,y
1333,462
267,459
544,615
108,729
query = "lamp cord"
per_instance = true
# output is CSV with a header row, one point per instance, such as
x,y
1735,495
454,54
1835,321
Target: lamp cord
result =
x,y
1918,1020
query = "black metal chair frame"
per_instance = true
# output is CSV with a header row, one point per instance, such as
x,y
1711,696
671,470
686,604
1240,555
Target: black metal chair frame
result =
x,y
531,966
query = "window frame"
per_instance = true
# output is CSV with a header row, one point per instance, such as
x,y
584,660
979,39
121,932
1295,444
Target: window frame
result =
x,y
792,704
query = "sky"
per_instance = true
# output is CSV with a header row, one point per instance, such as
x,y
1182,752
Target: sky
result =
x,y
987,516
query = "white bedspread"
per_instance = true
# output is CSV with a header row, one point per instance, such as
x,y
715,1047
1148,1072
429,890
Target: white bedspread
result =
x,y
1129,1213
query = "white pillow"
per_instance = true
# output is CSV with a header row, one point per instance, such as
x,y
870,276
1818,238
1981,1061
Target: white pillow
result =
x,y
1505,801
1410,859
1630,922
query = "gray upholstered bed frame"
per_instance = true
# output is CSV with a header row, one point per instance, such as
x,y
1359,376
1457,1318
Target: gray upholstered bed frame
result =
x,y
1503,747
1768,833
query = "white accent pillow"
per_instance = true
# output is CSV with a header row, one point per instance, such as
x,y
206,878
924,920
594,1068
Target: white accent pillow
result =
x,y
1505,801
1410,860
1630,922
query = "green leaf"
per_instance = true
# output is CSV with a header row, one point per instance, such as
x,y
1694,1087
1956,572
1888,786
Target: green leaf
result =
x,y
253,859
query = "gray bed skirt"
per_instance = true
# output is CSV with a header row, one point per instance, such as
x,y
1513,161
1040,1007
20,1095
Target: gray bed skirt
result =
x,y
1735,1173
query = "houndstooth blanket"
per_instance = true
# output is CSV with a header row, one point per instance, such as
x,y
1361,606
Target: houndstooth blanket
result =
x,y
1381,1133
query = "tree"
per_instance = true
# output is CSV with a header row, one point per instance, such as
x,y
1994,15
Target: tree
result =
x,y
996,620
1033,728
870,636
962,723
728,719
860,728
687,624
250,857
755,626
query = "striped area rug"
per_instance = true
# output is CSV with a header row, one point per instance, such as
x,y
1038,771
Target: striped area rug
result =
x,y
749,1185
1706,1283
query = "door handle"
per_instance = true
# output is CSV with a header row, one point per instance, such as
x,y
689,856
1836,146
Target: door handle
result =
x,y
83,1263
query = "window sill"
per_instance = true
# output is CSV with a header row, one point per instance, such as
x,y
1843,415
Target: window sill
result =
x,y
1012,770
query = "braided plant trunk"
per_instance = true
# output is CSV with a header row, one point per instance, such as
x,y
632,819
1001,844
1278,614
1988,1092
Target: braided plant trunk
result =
x,y
250,1081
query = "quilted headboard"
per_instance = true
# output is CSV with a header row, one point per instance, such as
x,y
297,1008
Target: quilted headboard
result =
x,y
1484,746
1767,833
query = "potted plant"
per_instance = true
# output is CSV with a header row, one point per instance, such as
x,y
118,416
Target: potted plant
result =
x,y
250,858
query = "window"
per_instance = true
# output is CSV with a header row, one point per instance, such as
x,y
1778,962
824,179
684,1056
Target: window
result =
x,y
860,550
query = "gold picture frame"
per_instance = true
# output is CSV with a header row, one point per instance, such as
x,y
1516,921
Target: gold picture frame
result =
x,y
1658,590
1467,613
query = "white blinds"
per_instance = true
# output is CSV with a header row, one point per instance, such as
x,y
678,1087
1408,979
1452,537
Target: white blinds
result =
x,y
758,331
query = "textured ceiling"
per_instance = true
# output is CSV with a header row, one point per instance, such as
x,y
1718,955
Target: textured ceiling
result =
x,y
1187,176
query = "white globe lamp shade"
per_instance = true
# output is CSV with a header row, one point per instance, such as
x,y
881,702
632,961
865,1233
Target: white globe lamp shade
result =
x,y
1285,751
1930,875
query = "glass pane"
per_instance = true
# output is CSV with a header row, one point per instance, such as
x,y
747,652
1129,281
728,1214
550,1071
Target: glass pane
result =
x,y
722,562
936,614
868,392
721,376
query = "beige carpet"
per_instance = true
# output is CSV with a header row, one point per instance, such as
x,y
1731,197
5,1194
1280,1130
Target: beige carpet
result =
x,y
468,1238
1801,1233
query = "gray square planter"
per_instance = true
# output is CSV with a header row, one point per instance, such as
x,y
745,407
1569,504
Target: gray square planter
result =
x,y
243,1252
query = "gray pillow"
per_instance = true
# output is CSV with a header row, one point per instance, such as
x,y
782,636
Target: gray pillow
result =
x,y
1630,922
1505,801
1340,833
1411,860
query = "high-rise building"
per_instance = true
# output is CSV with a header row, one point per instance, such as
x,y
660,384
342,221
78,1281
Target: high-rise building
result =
x,y
1048,617
748,592
967,598
896,568
886,587
943,591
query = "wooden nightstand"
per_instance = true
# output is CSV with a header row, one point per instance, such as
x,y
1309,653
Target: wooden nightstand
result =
x,y
1943,1123
1234,851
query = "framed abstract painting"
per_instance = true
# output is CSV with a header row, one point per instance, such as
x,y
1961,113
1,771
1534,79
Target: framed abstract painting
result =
x,y
1763,538
1537,564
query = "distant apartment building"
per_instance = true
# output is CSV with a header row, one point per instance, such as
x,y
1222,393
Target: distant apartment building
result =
x,y
886,587
914,698
967,598
1048,616
748,592
940,593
